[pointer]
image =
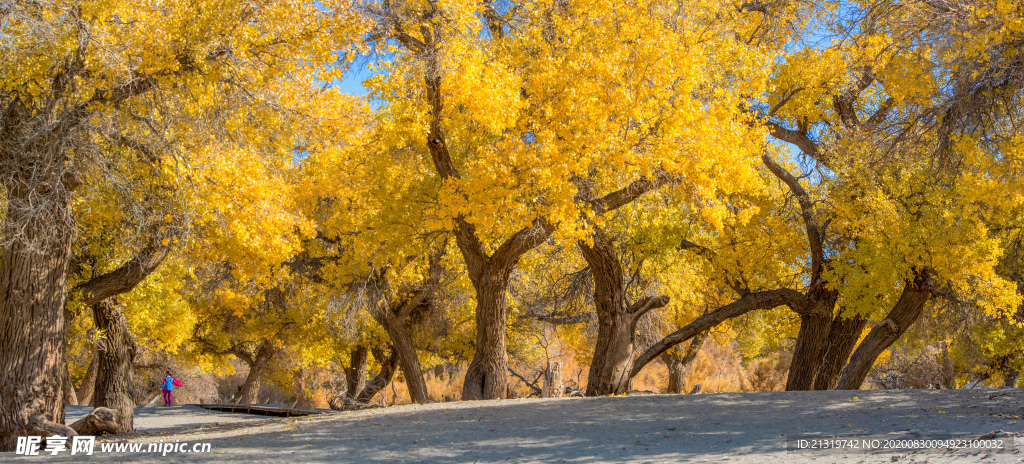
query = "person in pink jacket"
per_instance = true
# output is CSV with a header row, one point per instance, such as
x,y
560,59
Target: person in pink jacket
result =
x,y
167,387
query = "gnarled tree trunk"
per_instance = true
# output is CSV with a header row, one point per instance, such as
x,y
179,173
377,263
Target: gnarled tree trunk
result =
x,y
679,366
810,341
116,350
33,288
906,311
408,359
841,340
616,321
258,363
382,379
613,351
486,377
355,373
394,316
815,324
88,385
70,398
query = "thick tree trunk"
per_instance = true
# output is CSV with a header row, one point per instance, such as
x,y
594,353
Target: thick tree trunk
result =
x,y
382,379
553,387
250,393
810,343
355,373
906,311
841,340
116,350
486,377
613,351
33,288
811,340
70,398
679,365
408,359
88,385
612,362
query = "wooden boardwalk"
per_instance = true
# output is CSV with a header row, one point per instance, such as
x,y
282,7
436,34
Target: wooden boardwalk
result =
x,y
265,410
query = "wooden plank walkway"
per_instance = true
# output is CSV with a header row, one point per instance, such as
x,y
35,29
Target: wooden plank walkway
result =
x,y
260,409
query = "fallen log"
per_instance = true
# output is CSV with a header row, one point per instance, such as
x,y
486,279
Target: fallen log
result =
x,y
98,422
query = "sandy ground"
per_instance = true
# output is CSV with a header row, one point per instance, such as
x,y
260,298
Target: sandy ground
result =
x,y
748,428
169,418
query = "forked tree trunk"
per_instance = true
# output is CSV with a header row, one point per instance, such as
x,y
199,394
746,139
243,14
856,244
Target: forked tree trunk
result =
x,y
87,388
679,365
486,377
382,379
906,311
811,340
612,362
33,288
258,365
116,350
355,373
841,340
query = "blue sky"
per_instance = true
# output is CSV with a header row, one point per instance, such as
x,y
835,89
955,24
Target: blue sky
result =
x,y
353,82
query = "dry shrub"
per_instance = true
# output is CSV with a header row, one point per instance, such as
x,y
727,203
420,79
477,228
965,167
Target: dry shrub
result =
x,y
445,386
768,373
909,367
653,378
717,368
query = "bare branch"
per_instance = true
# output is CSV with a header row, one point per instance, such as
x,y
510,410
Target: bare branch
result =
x,y
815,234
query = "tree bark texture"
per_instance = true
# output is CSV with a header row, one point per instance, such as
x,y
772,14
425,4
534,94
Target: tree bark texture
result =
x,y
33,288
88,385
394,316
906,311
382,379
70,397
841,340
259,362
679,365
815,323
553,387
408,359
486,376
355,373
115,353
616,321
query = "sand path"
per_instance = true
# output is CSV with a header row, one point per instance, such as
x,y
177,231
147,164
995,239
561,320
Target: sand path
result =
x,y
748,428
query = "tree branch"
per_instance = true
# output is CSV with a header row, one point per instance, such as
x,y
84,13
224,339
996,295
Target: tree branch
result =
x,y
533,385
798,138
749,302
814,232
522,241
124,278
627,194
638,309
